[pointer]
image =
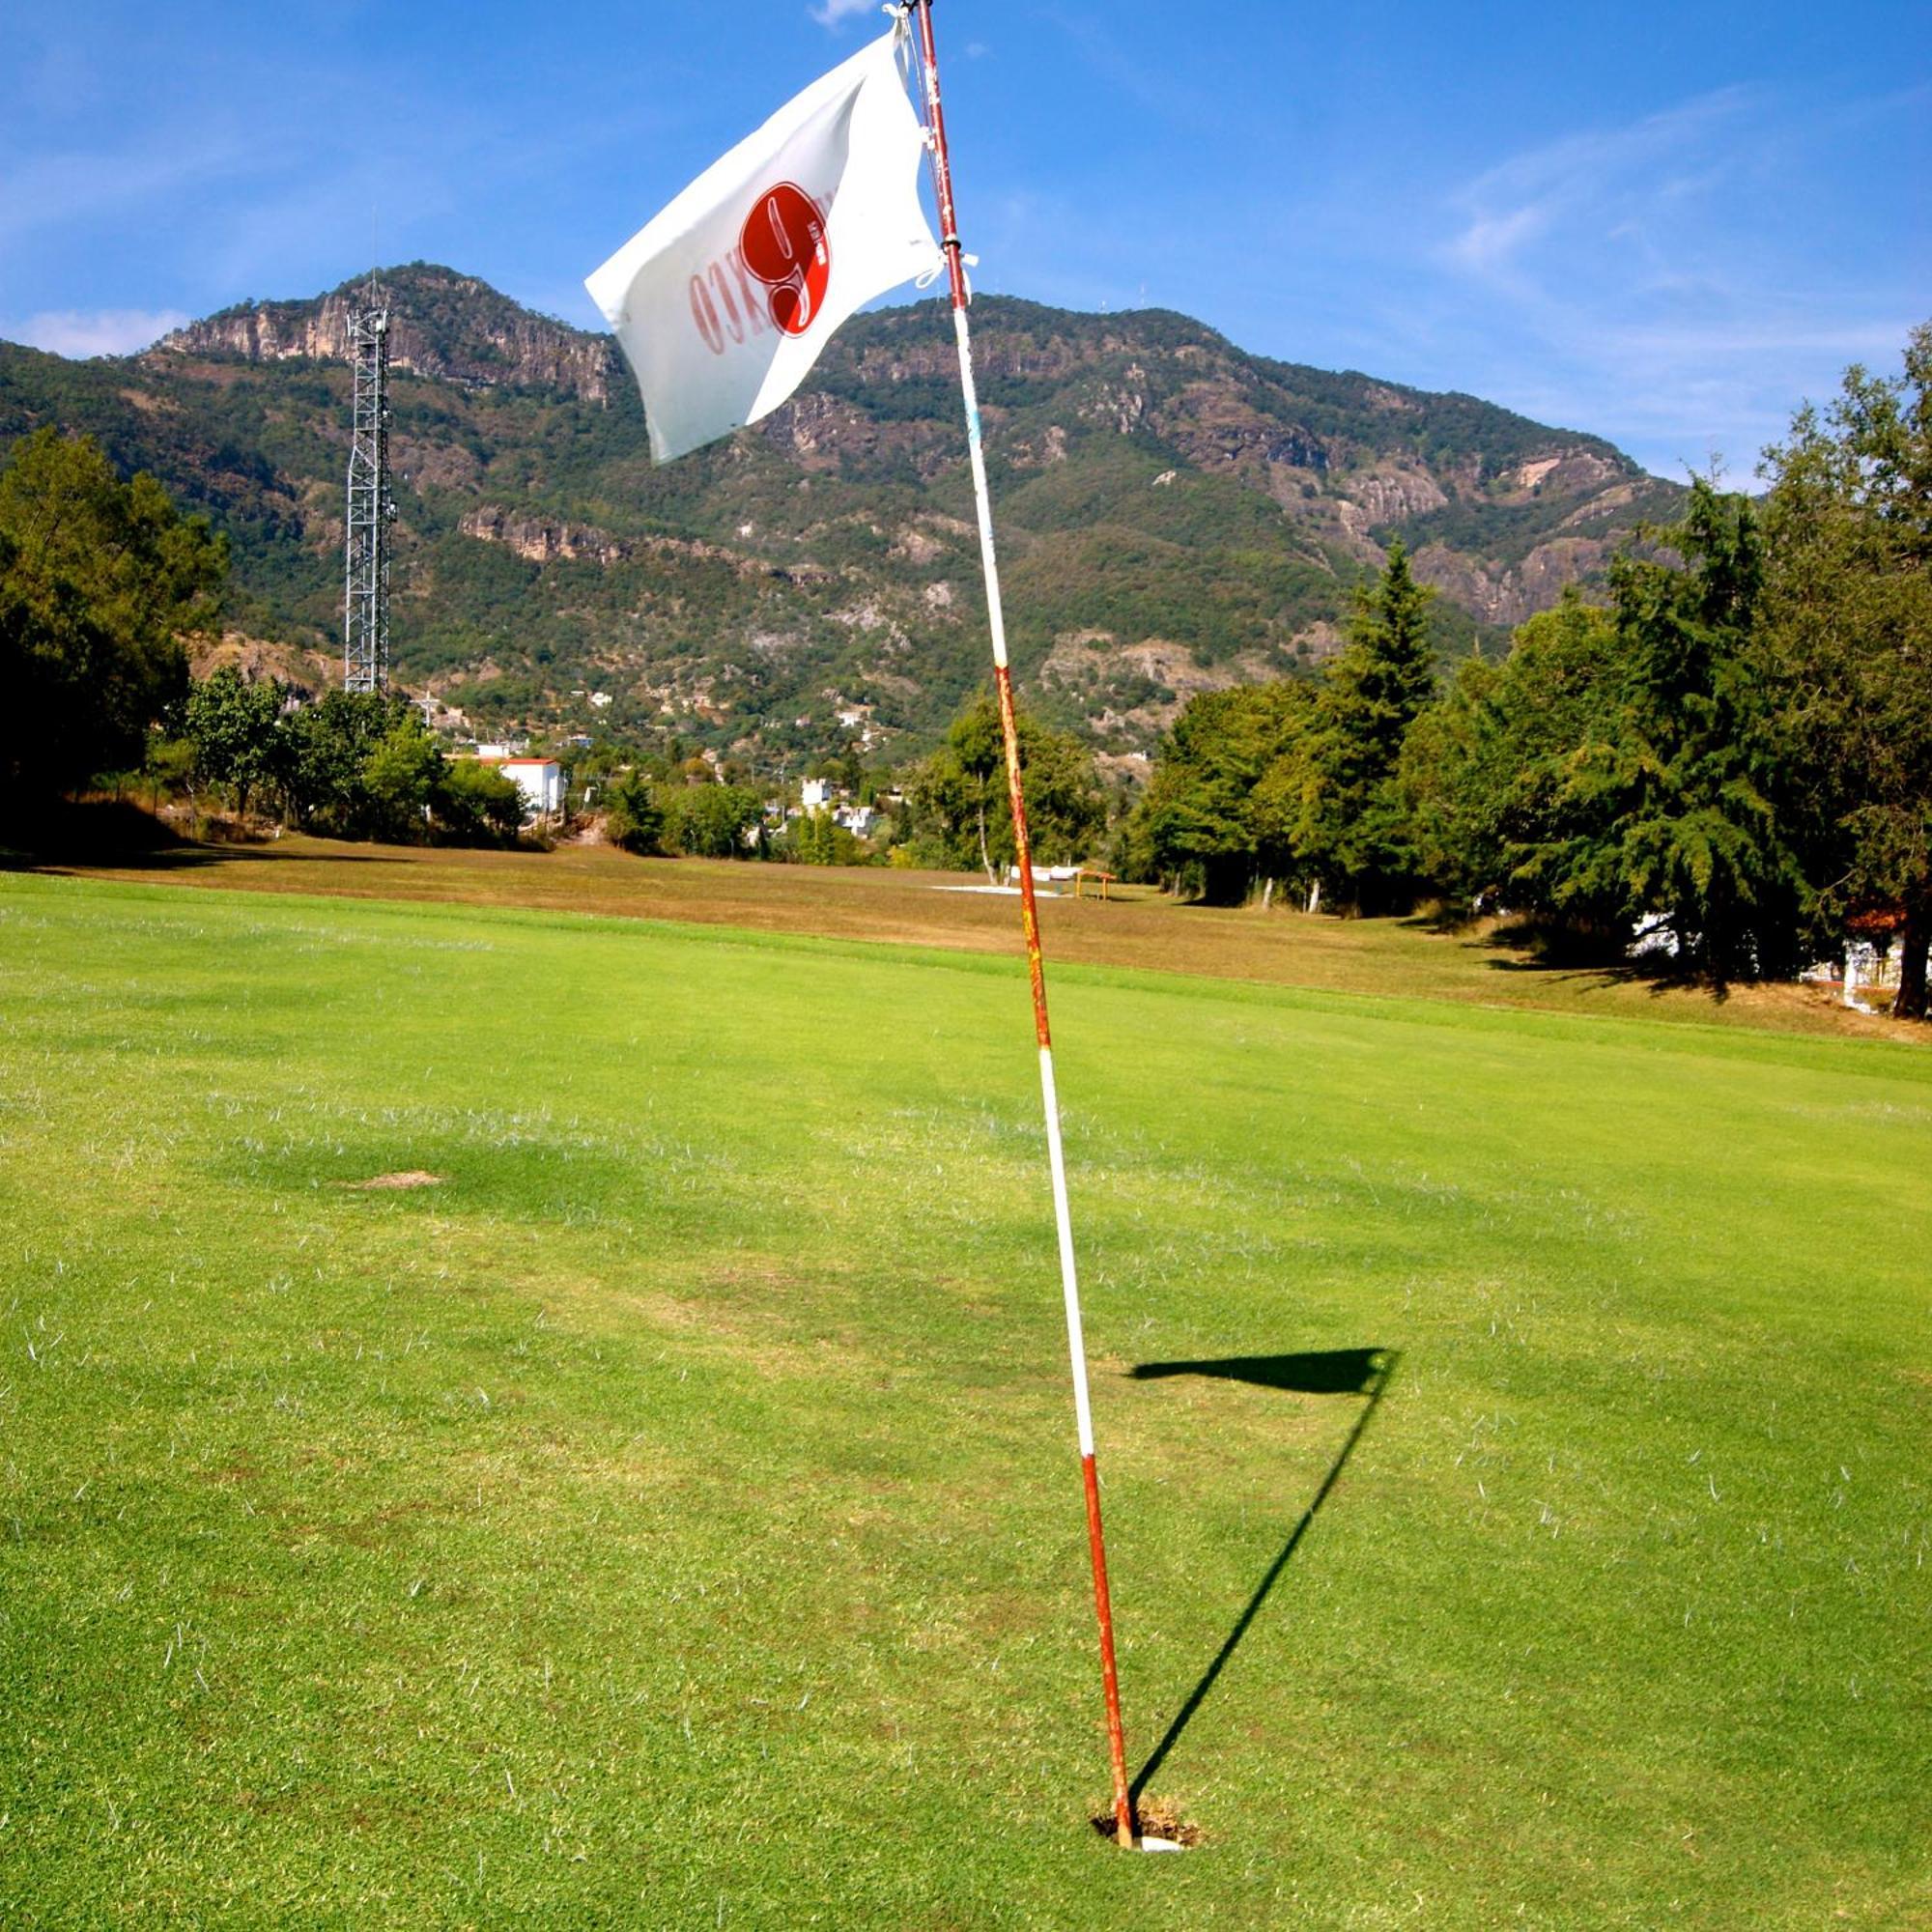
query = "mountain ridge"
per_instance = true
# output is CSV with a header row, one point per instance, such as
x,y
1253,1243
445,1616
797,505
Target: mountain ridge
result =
x,y
494,339
1173,512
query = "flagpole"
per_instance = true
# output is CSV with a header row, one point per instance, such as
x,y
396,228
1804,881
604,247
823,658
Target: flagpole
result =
x,y
942,176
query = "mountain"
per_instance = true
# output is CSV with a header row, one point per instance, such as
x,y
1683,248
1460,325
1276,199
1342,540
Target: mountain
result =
x,y
448,326
1173,513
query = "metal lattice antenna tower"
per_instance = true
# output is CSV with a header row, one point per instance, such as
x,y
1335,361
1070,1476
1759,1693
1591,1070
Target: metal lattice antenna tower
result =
x,y
365,615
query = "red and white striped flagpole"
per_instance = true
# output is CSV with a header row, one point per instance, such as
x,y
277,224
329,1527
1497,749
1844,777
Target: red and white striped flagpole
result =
x,y
942,176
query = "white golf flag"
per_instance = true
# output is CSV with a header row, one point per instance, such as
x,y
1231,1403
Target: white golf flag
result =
x,y
724,301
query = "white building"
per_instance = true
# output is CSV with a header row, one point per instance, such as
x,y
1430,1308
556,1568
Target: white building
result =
x,y
815,794
539,779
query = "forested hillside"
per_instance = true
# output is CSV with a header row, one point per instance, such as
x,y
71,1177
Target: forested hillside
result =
x,y
1175,514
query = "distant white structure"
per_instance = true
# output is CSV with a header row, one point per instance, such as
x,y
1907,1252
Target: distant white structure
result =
x,y
857,819
1654,935
539,779
815,794
1868,969
1055,878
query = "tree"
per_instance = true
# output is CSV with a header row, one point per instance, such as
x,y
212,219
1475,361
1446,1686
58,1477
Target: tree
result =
x,y
234,725
400,778
1502,775
959,803
1446,780
475,803
635,819
1624,766
1349,828
1846,649
1226,788
711,821
1690,772
975,744
98,582
817,839
325,748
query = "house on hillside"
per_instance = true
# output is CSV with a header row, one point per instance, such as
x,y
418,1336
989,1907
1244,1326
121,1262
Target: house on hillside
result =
x,y
539,779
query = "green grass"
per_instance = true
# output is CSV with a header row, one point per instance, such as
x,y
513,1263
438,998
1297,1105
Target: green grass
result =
x,y
1138,927
672,1519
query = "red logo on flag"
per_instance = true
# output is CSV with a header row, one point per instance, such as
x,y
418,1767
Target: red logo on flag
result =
x,y
784,245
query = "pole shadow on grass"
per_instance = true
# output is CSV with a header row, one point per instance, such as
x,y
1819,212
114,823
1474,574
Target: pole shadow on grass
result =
x,y
1363,1371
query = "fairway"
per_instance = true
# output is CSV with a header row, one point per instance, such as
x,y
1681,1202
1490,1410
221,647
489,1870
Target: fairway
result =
x,y
1139,926
668,1515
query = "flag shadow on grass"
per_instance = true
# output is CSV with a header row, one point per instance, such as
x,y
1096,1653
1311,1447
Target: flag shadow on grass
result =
x,y
1363,1371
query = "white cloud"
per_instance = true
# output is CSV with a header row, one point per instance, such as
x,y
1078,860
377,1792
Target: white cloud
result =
x,y
1608,278
100,331
59,190
1602,180
1489,241
831,12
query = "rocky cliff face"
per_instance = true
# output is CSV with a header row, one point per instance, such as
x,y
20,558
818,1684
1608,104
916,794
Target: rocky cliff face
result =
x,y
544,539
1503,512
549,540
447,326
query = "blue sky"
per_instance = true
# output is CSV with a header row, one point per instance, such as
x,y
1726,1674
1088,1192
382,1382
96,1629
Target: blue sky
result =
x,y
1663,225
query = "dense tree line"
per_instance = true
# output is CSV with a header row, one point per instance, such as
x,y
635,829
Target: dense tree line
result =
x,y
1735,753
651,813
1296,784
349,765
100,581
959,815
952,814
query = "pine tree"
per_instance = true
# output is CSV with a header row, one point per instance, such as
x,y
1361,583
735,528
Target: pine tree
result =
x,y
1353,830
1698,837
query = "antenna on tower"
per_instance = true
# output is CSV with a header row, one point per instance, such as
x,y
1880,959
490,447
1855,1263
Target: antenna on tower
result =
x,y
365,612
